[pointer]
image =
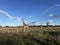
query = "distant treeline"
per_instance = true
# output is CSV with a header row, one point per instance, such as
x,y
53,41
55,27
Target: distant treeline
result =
x,y
31,26
46,26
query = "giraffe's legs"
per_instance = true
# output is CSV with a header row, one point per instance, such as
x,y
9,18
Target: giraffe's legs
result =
x,y
26,28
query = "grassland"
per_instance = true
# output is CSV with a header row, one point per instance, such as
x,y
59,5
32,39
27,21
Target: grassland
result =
x,y
19,29
34,36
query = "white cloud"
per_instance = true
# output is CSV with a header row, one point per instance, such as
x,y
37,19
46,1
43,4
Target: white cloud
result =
x,y
9,16
28,16
57,5
50,21
18,18
50,8
35,23
51,15
38,22
6,14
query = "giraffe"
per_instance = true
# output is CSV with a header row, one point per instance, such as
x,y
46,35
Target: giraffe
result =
x,y
25,26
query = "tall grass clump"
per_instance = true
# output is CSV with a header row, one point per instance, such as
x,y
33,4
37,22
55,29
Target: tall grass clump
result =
x,y
30,38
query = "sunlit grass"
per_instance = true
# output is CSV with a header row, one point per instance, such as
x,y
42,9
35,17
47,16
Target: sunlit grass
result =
x,y
32,37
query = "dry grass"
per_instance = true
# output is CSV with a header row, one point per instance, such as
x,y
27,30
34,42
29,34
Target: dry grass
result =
x,y
10,36
30,29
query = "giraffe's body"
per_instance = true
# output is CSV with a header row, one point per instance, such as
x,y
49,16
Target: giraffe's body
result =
x,y
25,26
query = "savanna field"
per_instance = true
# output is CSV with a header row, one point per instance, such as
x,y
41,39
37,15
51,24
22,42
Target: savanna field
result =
x,y
29,22
33,36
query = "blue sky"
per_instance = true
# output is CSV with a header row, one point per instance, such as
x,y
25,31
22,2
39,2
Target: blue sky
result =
x,y
11,11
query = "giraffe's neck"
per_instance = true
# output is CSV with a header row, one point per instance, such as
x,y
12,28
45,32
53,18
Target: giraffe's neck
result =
x,y
23,22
